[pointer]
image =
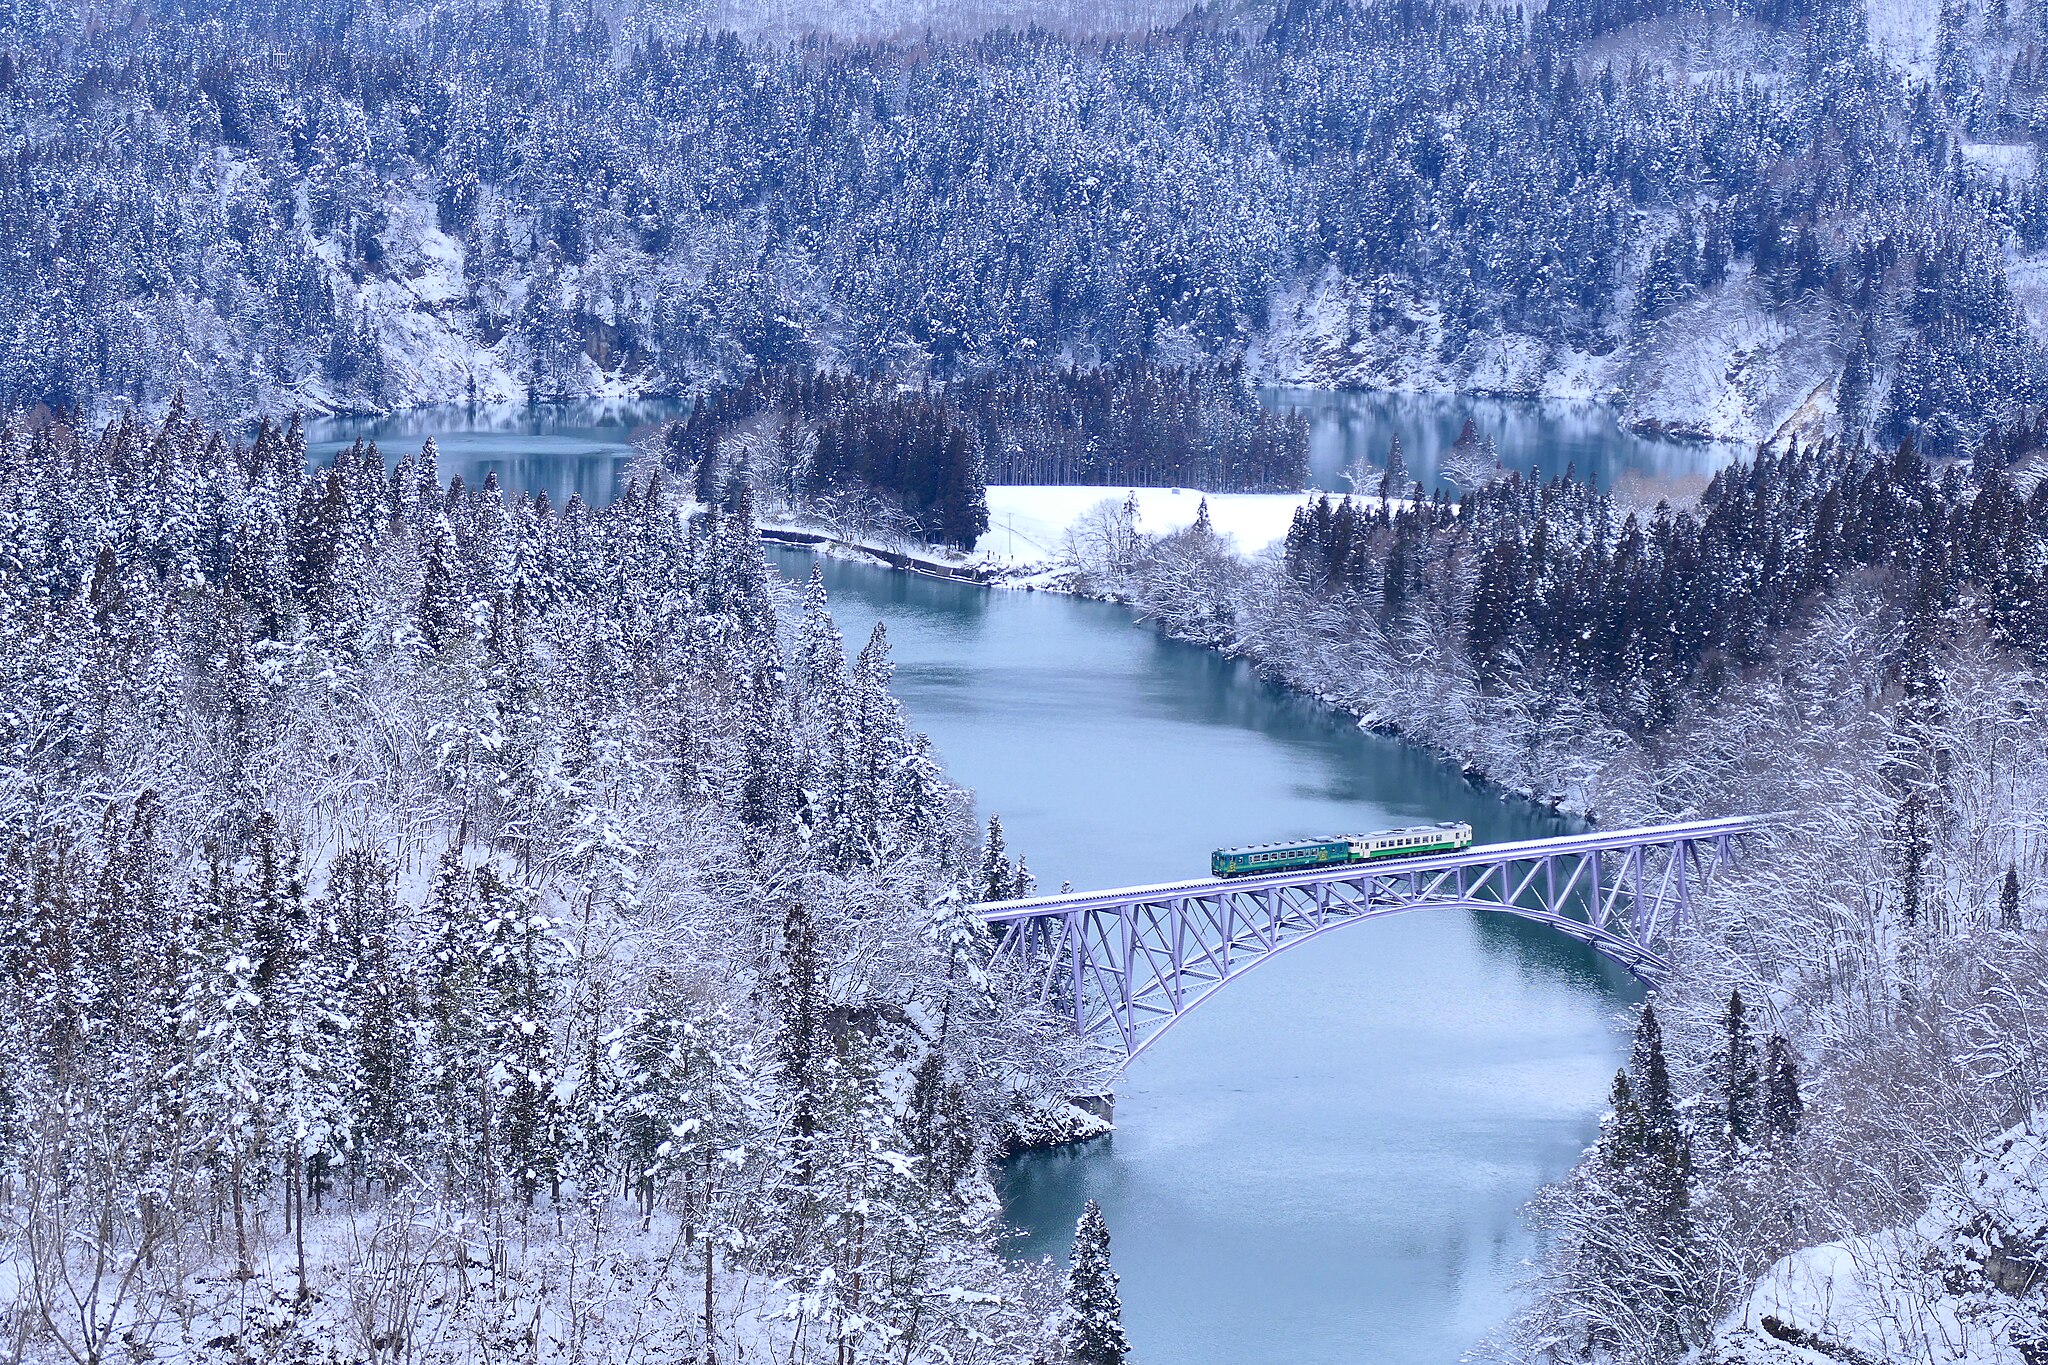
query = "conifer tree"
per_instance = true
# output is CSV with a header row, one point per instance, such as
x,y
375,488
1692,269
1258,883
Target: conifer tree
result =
x,y
1092,1330
1783,1107
764,804
801,1039
522,963
1667,1156
2009,900
1394,483
1738,1073
820,655
875,751
998,877
456,1002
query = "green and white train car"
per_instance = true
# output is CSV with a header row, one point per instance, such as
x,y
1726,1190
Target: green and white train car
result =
x,y
1413,841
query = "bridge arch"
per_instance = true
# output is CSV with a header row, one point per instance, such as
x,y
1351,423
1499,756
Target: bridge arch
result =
x,y
1645,966
1126,965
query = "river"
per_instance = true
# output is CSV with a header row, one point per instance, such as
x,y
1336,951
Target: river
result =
x,y
1325,1164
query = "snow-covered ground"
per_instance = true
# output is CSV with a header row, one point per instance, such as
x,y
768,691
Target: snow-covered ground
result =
x,y
1958,1287
2007,161
1907,31
1029,524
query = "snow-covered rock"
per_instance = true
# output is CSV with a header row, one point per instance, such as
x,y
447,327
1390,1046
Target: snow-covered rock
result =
x,y
1722,366
1337,332
1055,1124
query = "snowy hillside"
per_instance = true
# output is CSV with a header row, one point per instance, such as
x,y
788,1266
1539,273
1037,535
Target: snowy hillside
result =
x,y
1964,1285
909,18
1723,366
565,201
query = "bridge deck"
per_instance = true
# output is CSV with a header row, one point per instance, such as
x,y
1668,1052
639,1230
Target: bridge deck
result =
x,y
1591,841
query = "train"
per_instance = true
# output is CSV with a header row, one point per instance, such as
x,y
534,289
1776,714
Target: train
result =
x,y
1411,841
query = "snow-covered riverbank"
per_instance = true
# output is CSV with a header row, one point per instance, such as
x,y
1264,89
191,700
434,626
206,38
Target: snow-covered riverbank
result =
x,y
1030,526
1029,542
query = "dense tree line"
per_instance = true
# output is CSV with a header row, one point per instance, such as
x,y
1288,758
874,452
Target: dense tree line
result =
x,y
1646,613
366,207
407,884
930,450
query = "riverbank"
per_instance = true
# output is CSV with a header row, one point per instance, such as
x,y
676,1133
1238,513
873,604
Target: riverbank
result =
x,y
1079,521
1034,530
1365,1191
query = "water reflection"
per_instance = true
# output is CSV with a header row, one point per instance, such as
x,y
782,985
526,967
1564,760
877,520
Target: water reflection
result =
x,y
1347,428
555,448
583,447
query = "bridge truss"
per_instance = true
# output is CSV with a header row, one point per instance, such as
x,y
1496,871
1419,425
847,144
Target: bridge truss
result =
x,y
1126,964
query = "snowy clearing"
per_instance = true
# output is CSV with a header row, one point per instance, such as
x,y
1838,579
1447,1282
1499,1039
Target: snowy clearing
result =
x,y
1028,525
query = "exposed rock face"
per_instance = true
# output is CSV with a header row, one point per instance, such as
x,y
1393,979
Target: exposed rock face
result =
x,y
1721,367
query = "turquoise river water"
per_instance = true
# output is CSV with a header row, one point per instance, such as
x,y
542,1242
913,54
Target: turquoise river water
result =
x,y
1326,1164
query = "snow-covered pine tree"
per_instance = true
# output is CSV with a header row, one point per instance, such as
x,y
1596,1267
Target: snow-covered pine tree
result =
x,y
1738,1081
1783,1108
998,877
1092,1330
1394,482
801,1039
522,956
876,740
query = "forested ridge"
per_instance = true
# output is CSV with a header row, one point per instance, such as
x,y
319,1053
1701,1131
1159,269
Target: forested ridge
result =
x,y
276,206
1649,612
436,923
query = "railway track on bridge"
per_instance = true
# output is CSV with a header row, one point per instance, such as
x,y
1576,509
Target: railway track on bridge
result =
x,y
1126,963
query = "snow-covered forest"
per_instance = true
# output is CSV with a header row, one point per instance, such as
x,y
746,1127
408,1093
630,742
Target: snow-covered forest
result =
x,y
438,925
1852,635
1731,219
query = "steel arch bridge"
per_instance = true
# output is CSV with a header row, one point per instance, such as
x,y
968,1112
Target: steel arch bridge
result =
x,y
1125,965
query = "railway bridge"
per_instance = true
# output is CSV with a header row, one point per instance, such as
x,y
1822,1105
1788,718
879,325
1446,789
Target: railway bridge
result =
x,y
1126,964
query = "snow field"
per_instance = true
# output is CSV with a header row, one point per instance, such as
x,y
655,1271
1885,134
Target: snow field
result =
x,y
1029,524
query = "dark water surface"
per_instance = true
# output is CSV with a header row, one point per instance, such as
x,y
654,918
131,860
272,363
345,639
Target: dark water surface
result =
x,y
1325,1164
